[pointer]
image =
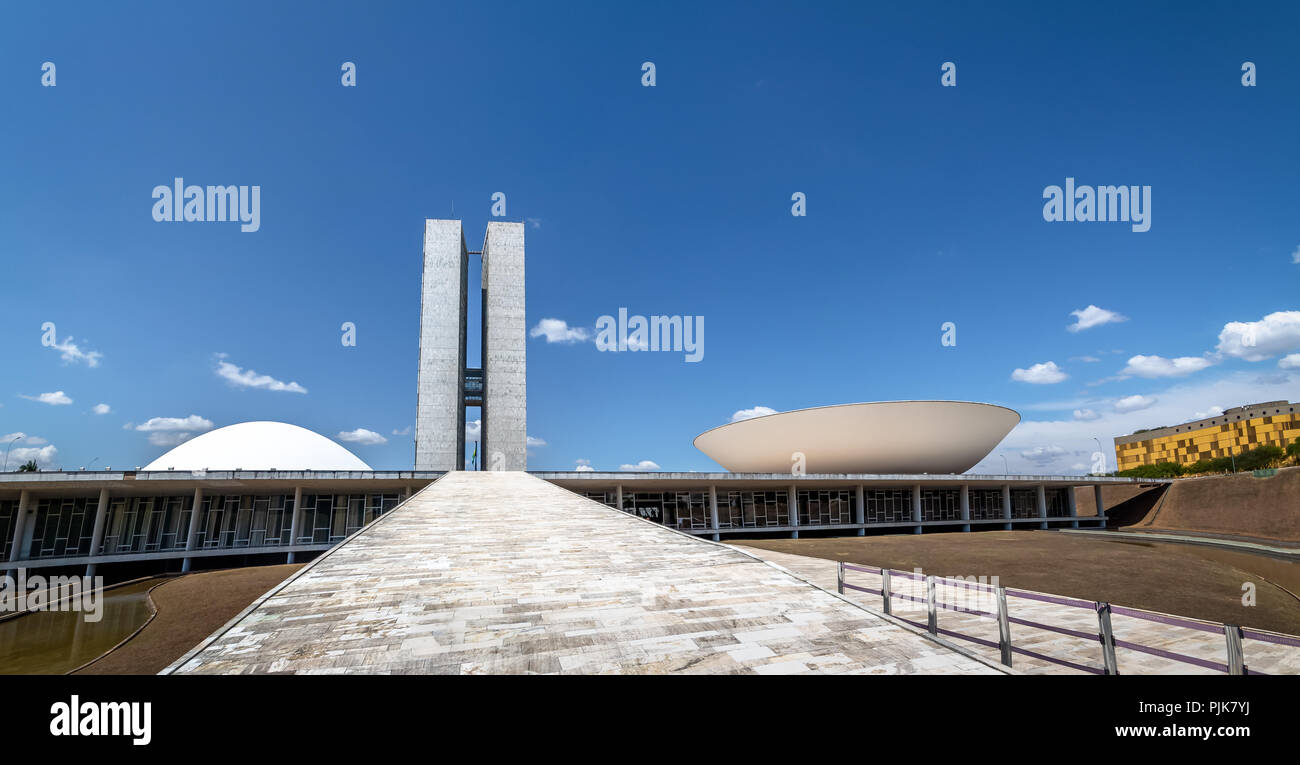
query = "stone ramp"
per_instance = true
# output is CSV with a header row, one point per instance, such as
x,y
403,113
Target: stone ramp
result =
x,y
500,572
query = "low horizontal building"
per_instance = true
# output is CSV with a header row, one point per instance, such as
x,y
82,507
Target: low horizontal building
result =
x,y
244,494
129,523
1273,423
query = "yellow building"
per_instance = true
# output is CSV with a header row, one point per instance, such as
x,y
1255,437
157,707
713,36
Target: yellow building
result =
x,y
1231,433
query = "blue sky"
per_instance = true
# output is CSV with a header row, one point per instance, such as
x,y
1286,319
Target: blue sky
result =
x,y
924,206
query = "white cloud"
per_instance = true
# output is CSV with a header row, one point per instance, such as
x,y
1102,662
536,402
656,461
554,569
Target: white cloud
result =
x,y
169,437
1295,256
169,431
57,398
1085,415
642,465
472,430
406,431
583,466
1135,403
247,378
1213,411
749,414
1040,374
1278,332
1092,316
1159,366
102,409
534,441
1041,454
534,222
165,424
70,352
362,436
21,436
44,456
1085,359
1291,361
558,331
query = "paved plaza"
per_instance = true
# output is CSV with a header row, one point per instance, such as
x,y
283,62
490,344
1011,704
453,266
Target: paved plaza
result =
x,y
1207,646
501,572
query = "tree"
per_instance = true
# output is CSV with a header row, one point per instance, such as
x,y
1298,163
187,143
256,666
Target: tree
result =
x,y
1159,470
1259,458
28,467
1293,450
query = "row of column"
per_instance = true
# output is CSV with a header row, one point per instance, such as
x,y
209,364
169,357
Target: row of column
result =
x,y
917,512
22,523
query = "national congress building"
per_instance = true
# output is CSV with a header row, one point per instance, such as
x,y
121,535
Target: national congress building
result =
x,y
262,492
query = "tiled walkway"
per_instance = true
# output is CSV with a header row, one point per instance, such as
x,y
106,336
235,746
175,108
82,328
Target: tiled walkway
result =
x,y
1207,646
505,573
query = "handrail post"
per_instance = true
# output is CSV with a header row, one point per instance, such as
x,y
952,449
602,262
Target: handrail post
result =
x,y
1236,654
1107,637
839,577
1004,627
932,620
884,588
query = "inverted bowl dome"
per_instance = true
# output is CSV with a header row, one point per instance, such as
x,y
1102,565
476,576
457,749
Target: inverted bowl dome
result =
x,y
259,446
938,437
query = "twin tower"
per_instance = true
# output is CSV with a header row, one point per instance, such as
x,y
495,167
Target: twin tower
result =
x,y
446,385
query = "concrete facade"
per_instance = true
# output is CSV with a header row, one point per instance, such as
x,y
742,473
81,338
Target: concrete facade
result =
x,y
440,415
440,418
505,334
1237,430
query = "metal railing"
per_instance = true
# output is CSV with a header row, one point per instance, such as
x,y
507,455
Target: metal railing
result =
x,y
1234,636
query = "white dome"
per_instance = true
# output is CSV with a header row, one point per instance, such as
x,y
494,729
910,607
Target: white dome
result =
x,y
259,446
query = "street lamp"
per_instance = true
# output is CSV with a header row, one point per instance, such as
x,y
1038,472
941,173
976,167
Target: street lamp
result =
x,y
1103,454
1005,468
7,448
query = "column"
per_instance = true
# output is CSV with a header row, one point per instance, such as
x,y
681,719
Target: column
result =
x,y
713,512
1074,509
862,511
794,510
97,538
965,507
505,344
20,525
1042,506
193,533
297,513
916,509
1006,506
439,415
618,496
1101,504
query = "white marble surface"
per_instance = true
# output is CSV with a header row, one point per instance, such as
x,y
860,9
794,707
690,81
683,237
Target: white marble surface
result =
x,y
505,573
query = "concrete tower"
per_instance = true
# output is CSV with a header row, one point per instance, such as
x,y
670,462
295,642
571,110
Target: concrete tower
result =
x,y
446,386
